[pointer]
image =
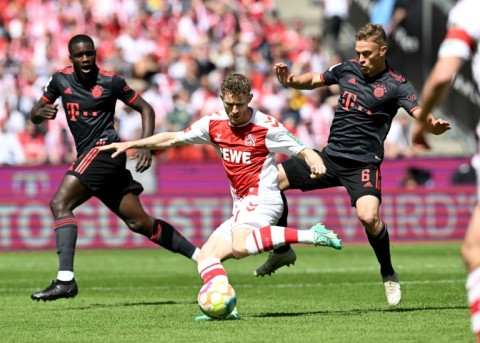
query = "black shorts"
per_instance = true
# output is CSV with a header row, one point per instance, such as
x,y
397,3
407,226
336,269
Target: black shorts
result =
x,y
107,178
358,178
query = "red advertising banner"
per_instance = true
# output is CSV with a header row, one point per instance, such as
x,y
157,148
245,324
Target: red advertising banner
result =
x,y
195,198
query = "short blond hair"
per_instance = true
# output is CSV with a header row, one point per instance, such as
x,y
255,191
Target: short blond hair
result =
x,y
372,33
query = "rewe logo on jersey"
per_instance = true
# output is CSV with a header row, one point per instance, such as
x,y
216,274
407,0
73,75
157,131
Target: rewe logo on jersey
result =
x,y
235,156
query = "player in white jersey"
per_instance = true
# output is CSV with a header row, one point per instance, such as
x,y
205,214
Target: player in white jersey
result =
x,y
460,44
246,141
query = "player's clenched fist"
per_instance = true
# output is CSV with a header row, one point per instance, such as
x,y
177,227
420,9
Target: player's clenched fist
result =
x,y
49,111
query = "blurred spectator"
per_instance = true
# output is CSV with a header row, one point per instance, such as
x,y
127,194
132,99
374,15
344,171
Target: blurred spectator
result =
x,y
180,116
464,175
60,147
11,152
381,12
33,144
335,13
399,14
415,177
166,46
397,144
129,123
317,116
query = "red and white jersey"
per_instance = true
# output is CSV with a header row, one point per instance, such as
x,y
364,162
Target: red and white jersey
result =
x,y
463,40
247,151
463,34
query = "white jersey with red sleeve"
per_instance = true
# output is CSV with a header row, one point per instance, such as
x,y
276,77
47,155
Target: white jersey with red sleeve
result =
x,y
463,40
247,151
463,33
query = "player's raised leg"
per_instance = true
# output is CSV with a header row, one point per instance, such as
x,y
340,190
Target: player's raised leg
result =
x,y
131,210
267,238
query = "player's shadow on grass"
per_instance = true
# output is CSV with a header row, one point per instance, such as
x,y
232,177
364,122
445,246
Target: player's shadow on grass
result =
x,y
357,311
141,303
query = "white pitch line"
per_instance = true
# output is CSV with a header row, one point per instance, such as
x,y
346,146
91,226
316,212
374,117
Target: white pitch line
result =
x,y
256,285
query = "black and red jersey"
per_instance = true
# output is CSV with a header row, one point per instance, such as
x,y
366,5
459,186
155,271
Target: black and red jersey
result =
x,y
365,110
90,111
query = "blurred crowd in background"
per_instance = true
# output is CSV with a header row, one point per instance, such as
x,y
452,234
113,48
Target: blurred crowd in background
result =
x,y
175,53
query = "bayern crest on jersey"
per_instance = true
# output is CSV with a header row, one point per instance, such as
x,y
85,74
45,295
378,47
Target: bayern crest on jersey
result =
x,y
379,90
97,91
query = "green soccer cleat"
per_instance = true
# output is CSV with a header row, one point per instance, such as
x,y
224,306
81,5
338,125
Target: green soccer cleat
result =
x,y
232,316
325,237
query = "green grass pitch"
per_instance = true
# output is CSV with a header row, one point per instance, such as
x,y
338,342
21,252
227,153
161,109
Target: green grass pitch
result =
x,y
328,296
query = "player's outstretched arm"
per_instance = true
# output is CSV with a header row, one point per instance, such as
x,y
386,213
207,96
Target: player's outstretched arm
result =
x,y
434,92
304,81
431,124
160,141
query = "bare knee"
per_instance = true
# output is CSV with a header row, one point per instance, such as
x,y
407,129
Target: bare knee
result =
x,y
370,221
60,207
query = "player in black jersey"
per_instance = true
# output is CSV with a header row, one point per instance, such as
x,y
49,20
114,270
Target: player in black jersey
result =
x,y
89,95
370,95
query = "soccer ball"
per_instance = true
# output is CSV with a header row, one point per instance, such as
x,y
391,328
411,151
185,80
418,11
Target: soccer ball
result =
x,y
217,299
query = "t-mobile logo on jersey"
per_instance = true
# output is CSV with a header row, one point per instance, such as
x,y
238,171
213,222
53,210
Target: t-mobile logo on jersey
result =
x,y
73,111
348,100
235,156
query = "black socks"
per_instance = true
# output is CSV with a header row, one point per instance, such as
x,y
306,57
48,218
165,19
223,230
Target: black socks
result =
x,y
168,237
381,246
65,241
